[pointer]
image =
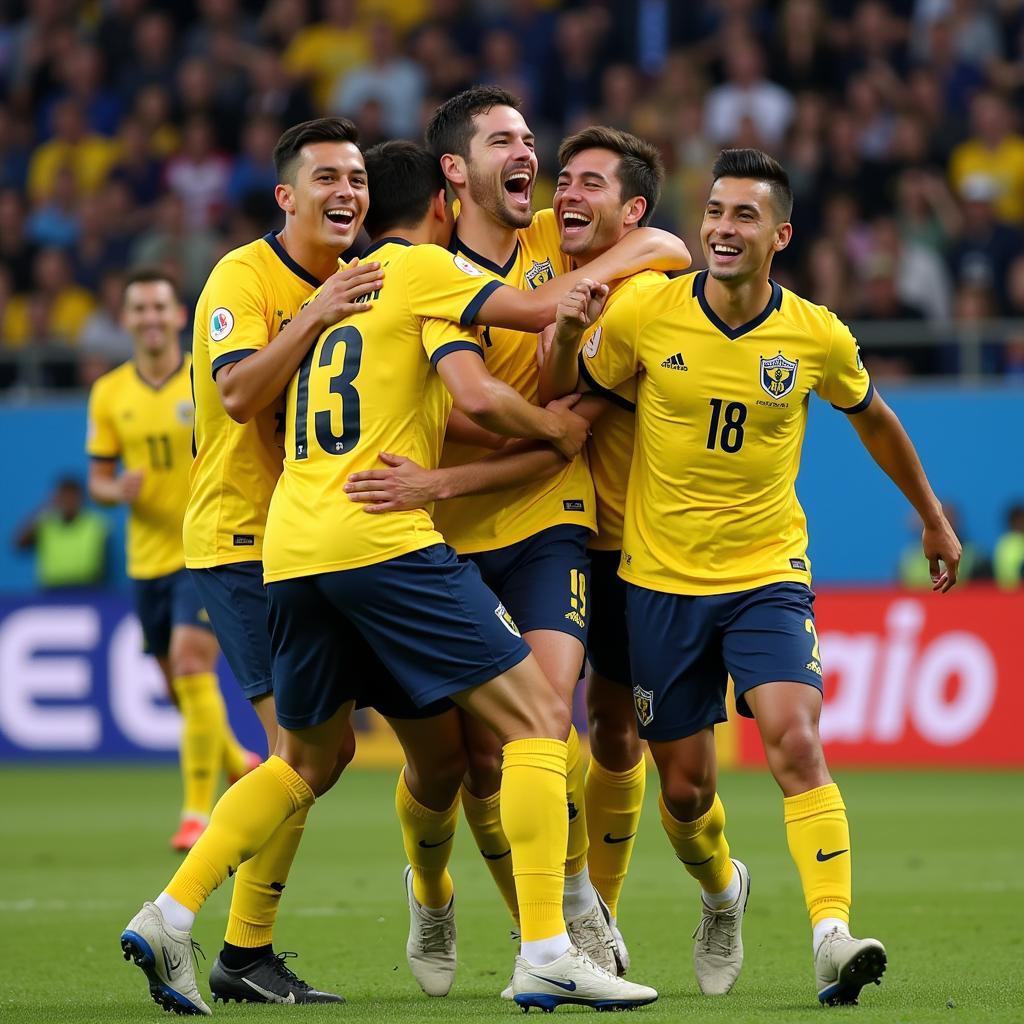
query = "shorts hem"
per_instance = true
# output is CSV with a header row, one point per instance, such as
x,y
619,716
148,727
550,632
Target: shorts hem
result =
x,y
745,711
470,680
680,733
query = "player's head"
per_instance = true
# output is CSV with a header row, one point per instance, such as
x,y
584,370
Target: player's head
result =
x,y
151,311
486,152
322,181
609,183
407,187
746,219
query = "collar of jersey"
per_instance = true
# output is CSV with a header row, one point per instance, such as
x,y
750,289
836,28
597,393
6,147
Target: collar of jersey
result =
x,y
732,333
457,245
164,382
299,271
386,240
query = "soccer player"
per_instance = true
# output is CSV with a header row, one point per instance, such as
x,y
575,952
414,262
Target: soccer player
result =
x,y
250,335
339,580
715,550
529,543
140,415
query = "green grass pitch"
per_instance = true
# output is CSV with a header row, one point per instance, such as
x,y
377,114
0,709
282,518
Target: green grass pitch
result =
x,y
937,877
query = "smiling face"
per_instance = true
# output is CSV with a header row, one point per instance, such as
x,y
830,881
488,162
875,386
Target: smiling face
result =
x,y
327,197
589,206
742,230
502,166
152,315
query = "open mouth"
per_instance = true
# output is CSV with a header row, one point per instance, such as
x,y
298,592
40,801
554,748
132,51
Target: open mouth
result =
x,y
517,186
574,222
341,218
725,253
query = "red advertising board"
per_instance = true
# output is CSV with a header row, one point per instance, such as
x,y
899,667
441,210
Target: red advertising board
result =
x,y
918,678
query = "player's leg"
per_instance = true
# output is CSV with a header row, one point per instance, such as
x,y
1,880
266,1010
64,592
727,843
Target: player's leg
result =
x,y
679,695
774,638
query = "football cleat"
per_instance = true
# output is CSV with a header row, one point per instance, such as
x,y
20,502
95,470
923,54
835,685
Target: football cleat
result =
x,y
268,980
843,965
575,979
188,834
506,993
718,945
621,951
430,948
164,955
252,760
591,934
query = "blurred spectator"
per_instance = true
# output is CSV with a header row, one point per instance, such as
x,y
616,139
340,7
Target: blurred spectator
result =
x,y
802,58
103,334
253,173
16,250
927,215
914,570
14,154
922,280
152,59
55,310
83,77
54,221
219,20
199,173
1008,560
502,65
69,540
272,93
572,79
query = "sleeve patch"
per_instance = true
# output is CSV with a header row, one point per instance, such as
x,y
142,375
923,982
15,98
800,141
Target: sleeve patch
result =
x,y
222,323
592,343
466,267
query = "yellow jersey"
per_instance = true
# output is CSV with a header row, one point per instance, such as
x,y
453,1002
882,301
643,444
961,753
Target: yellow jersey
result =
x,y
369,385
149,429
250,295
711,506
610,448
483,522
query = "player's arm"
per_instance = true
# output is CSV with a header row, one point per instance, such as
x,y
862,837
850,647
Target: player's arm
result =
x,y
463,430
882,434
108,487
247,386
103,446
576,313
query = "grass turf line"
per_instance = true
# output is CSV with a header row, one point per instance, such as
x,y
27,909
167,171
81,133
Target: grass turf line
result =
x,y
936,876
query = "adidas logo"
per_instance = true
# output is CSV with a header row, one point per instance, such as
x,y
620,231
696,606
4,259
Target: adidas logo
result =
x,y
675,362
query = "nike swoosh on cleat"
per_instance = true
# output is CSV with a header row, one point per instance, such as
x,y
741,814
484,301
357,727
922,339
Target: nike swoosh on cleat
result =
x,y
271,997
697,863
609,838
431,846
495,856
828,856
569,986
171,968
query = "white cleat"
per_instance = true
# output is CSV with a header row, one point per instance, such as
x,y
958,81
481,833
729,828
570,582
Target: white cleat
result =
x,y
575,979
591,933
843,965
718,945
621,950
431,946
164,955
506,992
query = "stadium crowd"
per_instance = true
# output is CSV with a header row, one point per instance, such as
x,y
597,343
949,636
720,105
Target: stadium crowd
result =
x,y
141,132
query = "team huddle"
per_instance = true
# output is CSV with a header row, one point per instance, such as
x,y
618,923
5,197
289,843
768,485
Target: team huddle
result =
x,y
512,443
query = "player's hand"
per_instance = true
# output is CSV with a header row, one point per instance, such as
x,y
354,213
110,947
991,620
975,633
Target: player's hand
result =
x,y
941,545
337,298
405,485
573,430
581,306
130,485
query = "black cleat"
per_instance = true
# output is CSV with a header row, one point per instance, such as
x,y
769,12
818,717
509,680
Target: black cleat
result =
x,y
268,980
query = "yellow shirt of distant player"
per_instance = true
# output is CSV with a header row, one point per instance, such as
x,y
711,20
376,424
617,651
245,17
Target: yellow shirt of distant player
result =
x,y
610,449
483,522
147,429
369,385
252,293
711,506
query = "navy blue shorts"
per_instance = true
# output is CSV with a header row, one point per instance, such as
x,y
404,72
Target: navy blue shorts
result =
x,y
163,603
428,618
608,642
236,601
684,648
542,580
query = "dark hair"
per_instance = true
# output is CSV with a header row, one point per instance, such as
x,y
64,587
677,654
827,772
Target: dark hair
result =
x,y
150,275
403,178
752,163
450,129
67,482
640,171
322,129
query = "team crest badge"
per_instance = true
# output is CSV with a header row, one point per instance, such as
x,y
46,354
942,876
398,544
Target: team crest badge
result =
x,y
185,412
506,620
643,701
221,323
778,375
539,273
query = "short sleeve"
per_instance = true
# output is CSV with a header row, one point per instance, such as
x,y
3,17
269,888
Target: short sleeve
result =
x,y
446,285
442,337
844,381
101,440
236,314
609,355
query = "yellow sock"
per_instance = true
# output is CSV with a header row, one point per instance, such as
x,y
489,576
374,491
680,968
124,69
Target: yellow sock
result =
x,y
203,718
234,757
427,836
819,843
483,815
534,819
245,817
259,883
576,851
614,803
701,845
